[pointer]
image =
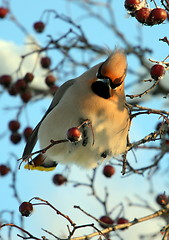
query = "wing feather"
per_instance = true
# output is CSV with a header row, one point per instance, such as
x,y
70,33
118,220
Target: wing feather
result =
x,y
34,136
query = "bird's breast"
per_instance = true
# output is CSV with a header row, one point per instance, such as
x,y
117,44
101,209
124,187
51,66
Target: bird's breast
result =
x,y
104,137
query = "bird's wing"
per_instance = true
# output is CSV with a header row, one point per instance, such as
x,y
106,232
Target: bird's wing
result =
x,y
34,136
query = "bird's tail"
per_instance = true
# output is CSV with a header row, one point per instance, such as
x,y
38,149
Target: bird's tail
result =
x,y
41,163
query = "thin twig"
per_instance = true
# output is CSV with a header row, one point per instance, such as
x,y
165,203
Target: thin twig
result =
x,y
56,210
145,92
23,230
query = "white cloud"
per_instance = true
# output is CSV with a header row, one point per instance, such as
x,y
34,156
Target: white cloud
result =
x,y
10,59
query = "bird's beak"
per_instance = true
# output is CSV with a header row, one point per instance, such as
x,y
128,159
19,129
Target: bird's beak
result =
x,y
112,72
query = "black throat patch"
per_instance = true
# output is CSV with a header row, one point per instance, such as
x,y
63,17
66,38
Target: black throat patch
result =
x,y
101,89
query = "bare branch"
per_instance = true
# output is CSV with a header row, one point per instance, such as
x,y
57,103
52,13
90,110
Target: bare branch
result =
x,y
56,210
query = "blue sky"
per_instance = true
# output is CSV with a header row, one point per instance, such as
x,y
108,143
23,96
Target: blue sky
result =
x,y
31,184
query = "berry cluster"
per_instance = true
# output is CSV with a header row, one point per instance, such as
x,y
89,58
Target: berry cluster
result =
x,y
15,137
144,14
105,220
20,86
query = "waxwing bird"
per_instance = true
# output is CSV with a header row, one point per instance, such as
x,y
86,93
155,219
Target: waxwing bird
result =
x,y
98,96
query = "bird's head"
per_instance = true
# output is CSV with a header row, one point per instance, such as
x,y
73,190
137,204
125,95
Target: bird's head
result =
x,y
110,76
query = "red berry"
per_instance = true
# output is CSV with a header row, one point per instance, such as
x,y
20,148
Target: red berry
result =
x,y
3,12
108,170
5,80
39,26
132,5
162,200
142,15
26,209
14,125
20,85
157,71
157,16
27,133
122,220
12,90
28,77
4,170
106,220
15,137
59,179
26,96
74,134
50,80
45,62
